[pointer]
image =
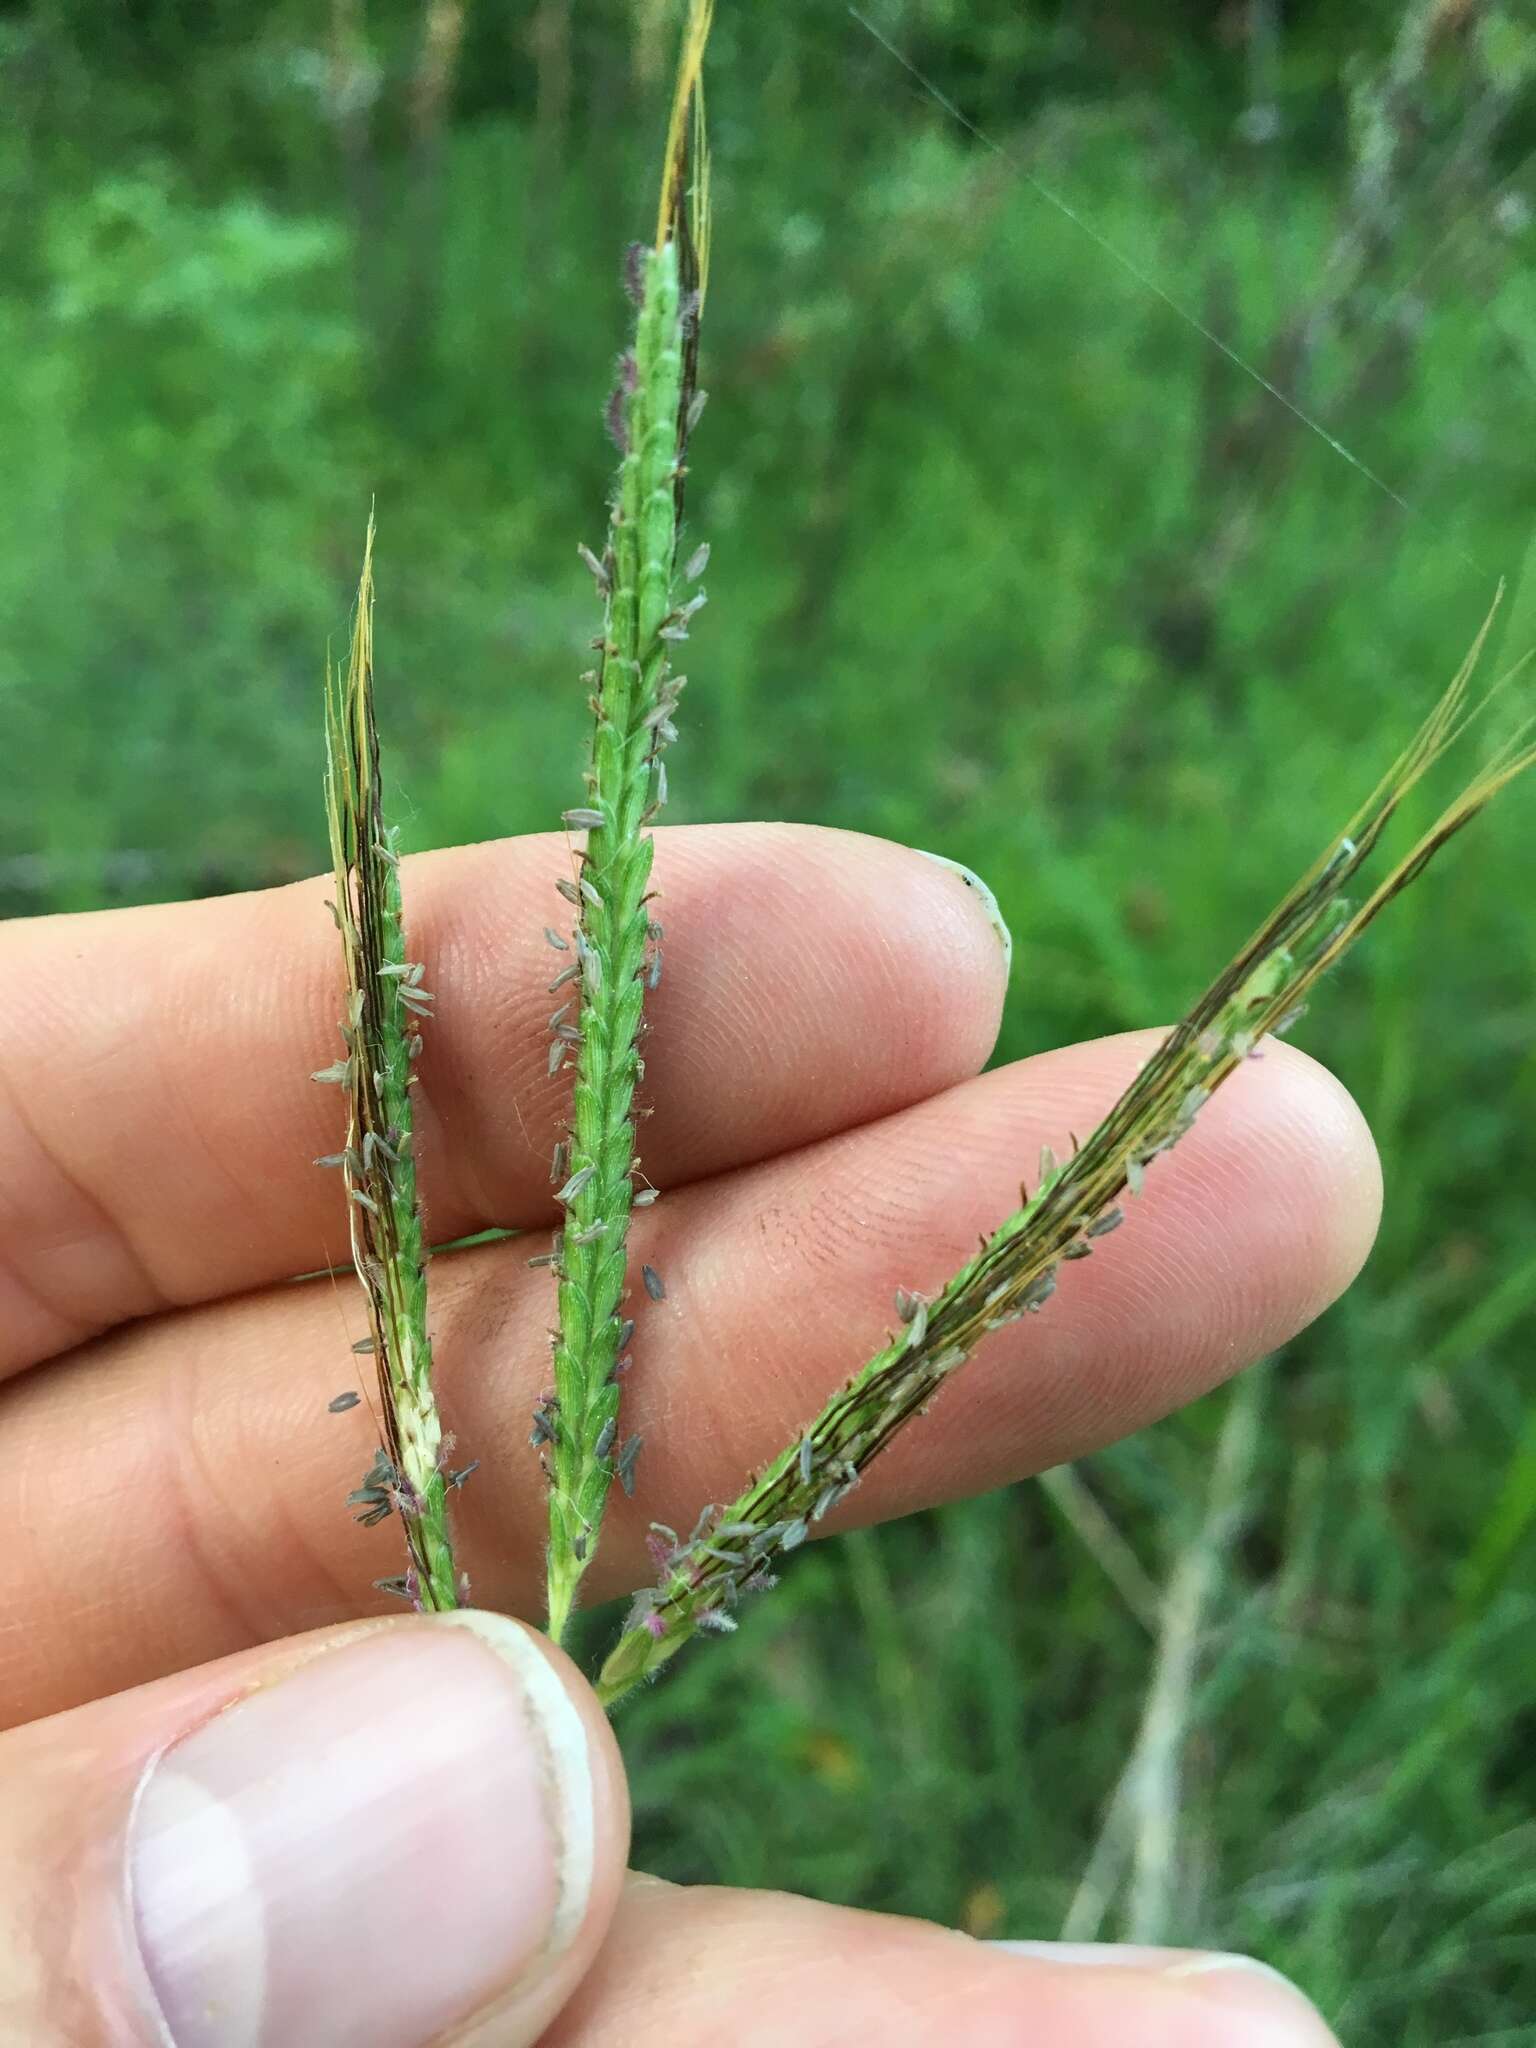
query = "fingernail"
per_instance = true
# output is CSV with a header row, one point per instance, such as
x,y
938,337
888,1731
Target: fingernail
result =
x,y
1252,1994
988,901
368,1850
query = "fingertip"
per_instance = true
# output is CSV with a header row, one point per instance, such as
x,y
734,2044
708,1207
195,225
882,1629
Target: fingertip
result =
x,y
1346,1141
1168,1998
1298,1144
881,966
948,923
583,1762
985,898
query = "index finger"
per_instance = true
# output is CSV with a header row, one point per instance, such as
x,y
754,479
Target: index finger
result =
x,y
158,1120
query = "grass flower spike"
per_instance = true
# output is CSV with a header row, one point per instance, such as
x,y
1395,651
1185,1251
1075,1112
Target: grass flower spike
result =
x,y
615,939
386,1009
1074,1207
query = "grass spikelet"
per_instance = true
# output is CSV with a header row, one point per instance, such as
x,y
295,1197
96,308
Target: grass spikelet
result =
x,y
616,940
1074,1207
387,1006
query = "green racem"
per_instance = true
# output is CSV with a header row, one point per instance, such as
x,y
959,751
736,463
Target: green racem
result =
x,y
616,940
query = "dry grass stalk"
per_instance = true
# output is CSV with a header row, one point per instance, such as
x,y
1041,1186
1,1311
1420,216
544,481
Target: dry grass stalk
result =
x,y
1155,1773
1084,1514
1140,1832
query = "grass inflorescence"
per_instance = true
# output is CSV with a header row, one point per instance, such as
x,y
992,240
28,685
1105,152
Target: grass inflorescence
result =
x,y
1074,1206
615,939
387,1007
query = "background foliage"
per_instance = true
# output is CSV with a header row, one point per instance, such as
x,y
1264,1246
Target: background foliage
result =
x,y
1009,561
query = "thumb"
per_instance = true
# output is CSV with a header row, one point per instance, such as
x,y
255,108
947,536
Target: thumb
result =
x,y
365,1837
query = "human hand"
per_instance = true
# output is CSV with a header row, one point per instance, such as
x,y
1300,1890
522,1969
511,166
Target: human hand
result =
x,y
382,1830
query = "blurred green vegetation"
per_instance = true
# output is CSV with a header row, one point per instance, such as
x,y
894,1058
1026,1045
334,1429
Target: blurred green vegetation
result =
x,y
1010,561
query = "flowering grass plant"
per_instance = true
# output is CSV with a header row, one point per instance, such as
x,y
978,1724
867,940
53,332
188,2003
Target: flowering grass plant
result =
x,y
606,946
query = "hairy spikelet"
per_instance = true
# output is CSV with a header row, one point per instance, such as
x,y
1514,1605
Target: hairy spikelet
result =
x,y
1075,1205
387,1007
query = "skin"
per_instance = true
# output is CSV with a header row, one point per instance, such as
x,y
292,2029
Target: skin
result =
x,y
822,1132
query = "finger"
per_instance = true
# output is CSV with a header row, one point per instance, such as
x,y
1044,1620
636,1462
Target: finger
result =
x,y
179,1487
689,1968
367,1838
158,1120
